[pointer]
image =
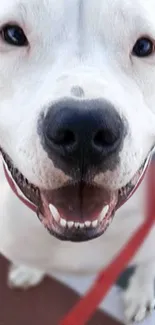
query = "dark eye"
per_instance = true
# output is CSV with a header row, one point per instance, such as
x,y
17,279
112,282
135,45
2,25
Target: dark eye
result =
x,y
14,35
143,47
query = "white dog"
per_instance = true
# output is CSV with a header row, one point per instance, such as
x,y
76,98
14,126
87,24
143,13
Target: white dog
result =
x,y
77,125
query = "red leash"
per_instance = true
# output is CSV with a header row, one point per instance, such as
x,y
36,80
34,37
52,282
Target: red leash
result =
x,y
86,307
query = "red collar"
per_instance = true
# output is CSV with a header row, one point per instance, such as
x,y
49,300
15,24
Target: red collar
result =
x,y
85,308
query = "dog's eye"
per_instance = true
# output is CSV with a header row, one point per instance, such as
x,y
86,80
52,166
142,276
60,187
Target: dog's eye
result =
x,y
143,47
14,35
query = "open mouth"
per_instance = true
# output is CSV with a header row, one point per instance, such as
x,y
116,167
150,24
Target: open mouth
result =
x,y
75,212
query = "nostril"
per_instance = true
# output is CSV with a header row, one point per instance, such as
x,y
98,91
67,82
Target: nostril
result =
x,y
64,138
105,138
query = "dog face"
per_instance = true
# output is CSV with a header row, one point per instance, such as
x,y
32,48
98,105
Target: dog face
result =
x,y
77,106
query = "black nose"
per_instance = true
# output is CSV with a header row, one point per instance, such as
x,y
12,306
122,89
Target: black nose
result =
x,y
82,132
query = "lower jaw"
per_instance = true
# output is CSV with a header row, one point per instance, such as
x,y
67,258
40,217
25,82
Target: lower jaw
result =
x,y
77,233
77,237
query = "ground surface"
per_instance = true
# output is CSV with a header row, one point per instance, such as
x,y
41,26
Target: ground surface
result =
x,y
43,305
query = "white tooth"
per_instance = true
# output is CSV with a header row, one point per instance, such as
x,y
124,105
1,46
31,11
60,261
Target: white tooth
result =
x,y
63,222
104,212
105,209
87,223
101,217
54,212
70,224
81,225
95,223
77,224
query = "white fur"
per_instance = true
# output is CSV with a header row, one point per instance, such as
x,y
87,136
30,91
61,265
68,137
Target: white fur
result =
x,y
23,276
140,304
31,79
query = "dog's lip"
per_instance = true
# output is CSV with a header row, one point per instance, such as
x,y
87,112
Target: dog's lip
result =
x,y
134,183
40,200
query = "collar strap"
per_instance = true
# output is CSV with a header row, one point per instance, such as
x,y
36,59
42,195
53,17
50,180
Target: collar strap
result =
x,y
86,307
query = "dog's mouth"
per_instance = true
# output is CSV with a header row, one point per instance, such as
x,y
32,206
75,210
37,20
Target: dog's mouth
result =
x,y
75,212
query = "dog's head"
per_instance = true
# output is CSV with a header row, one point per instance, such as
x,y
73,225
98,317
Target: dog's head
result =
x,y
77,106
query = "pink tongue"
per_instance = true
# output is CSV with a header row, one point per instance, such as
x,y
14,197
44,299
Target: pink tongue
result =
x,y
77,202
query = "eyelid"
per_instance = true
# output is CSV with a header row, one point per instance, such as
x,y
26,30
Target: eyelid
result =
x,y
12,23
146,36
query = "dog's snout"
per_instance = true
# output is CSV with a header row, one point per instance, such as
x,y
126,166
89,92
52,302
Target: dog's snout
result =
x,y
78,131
